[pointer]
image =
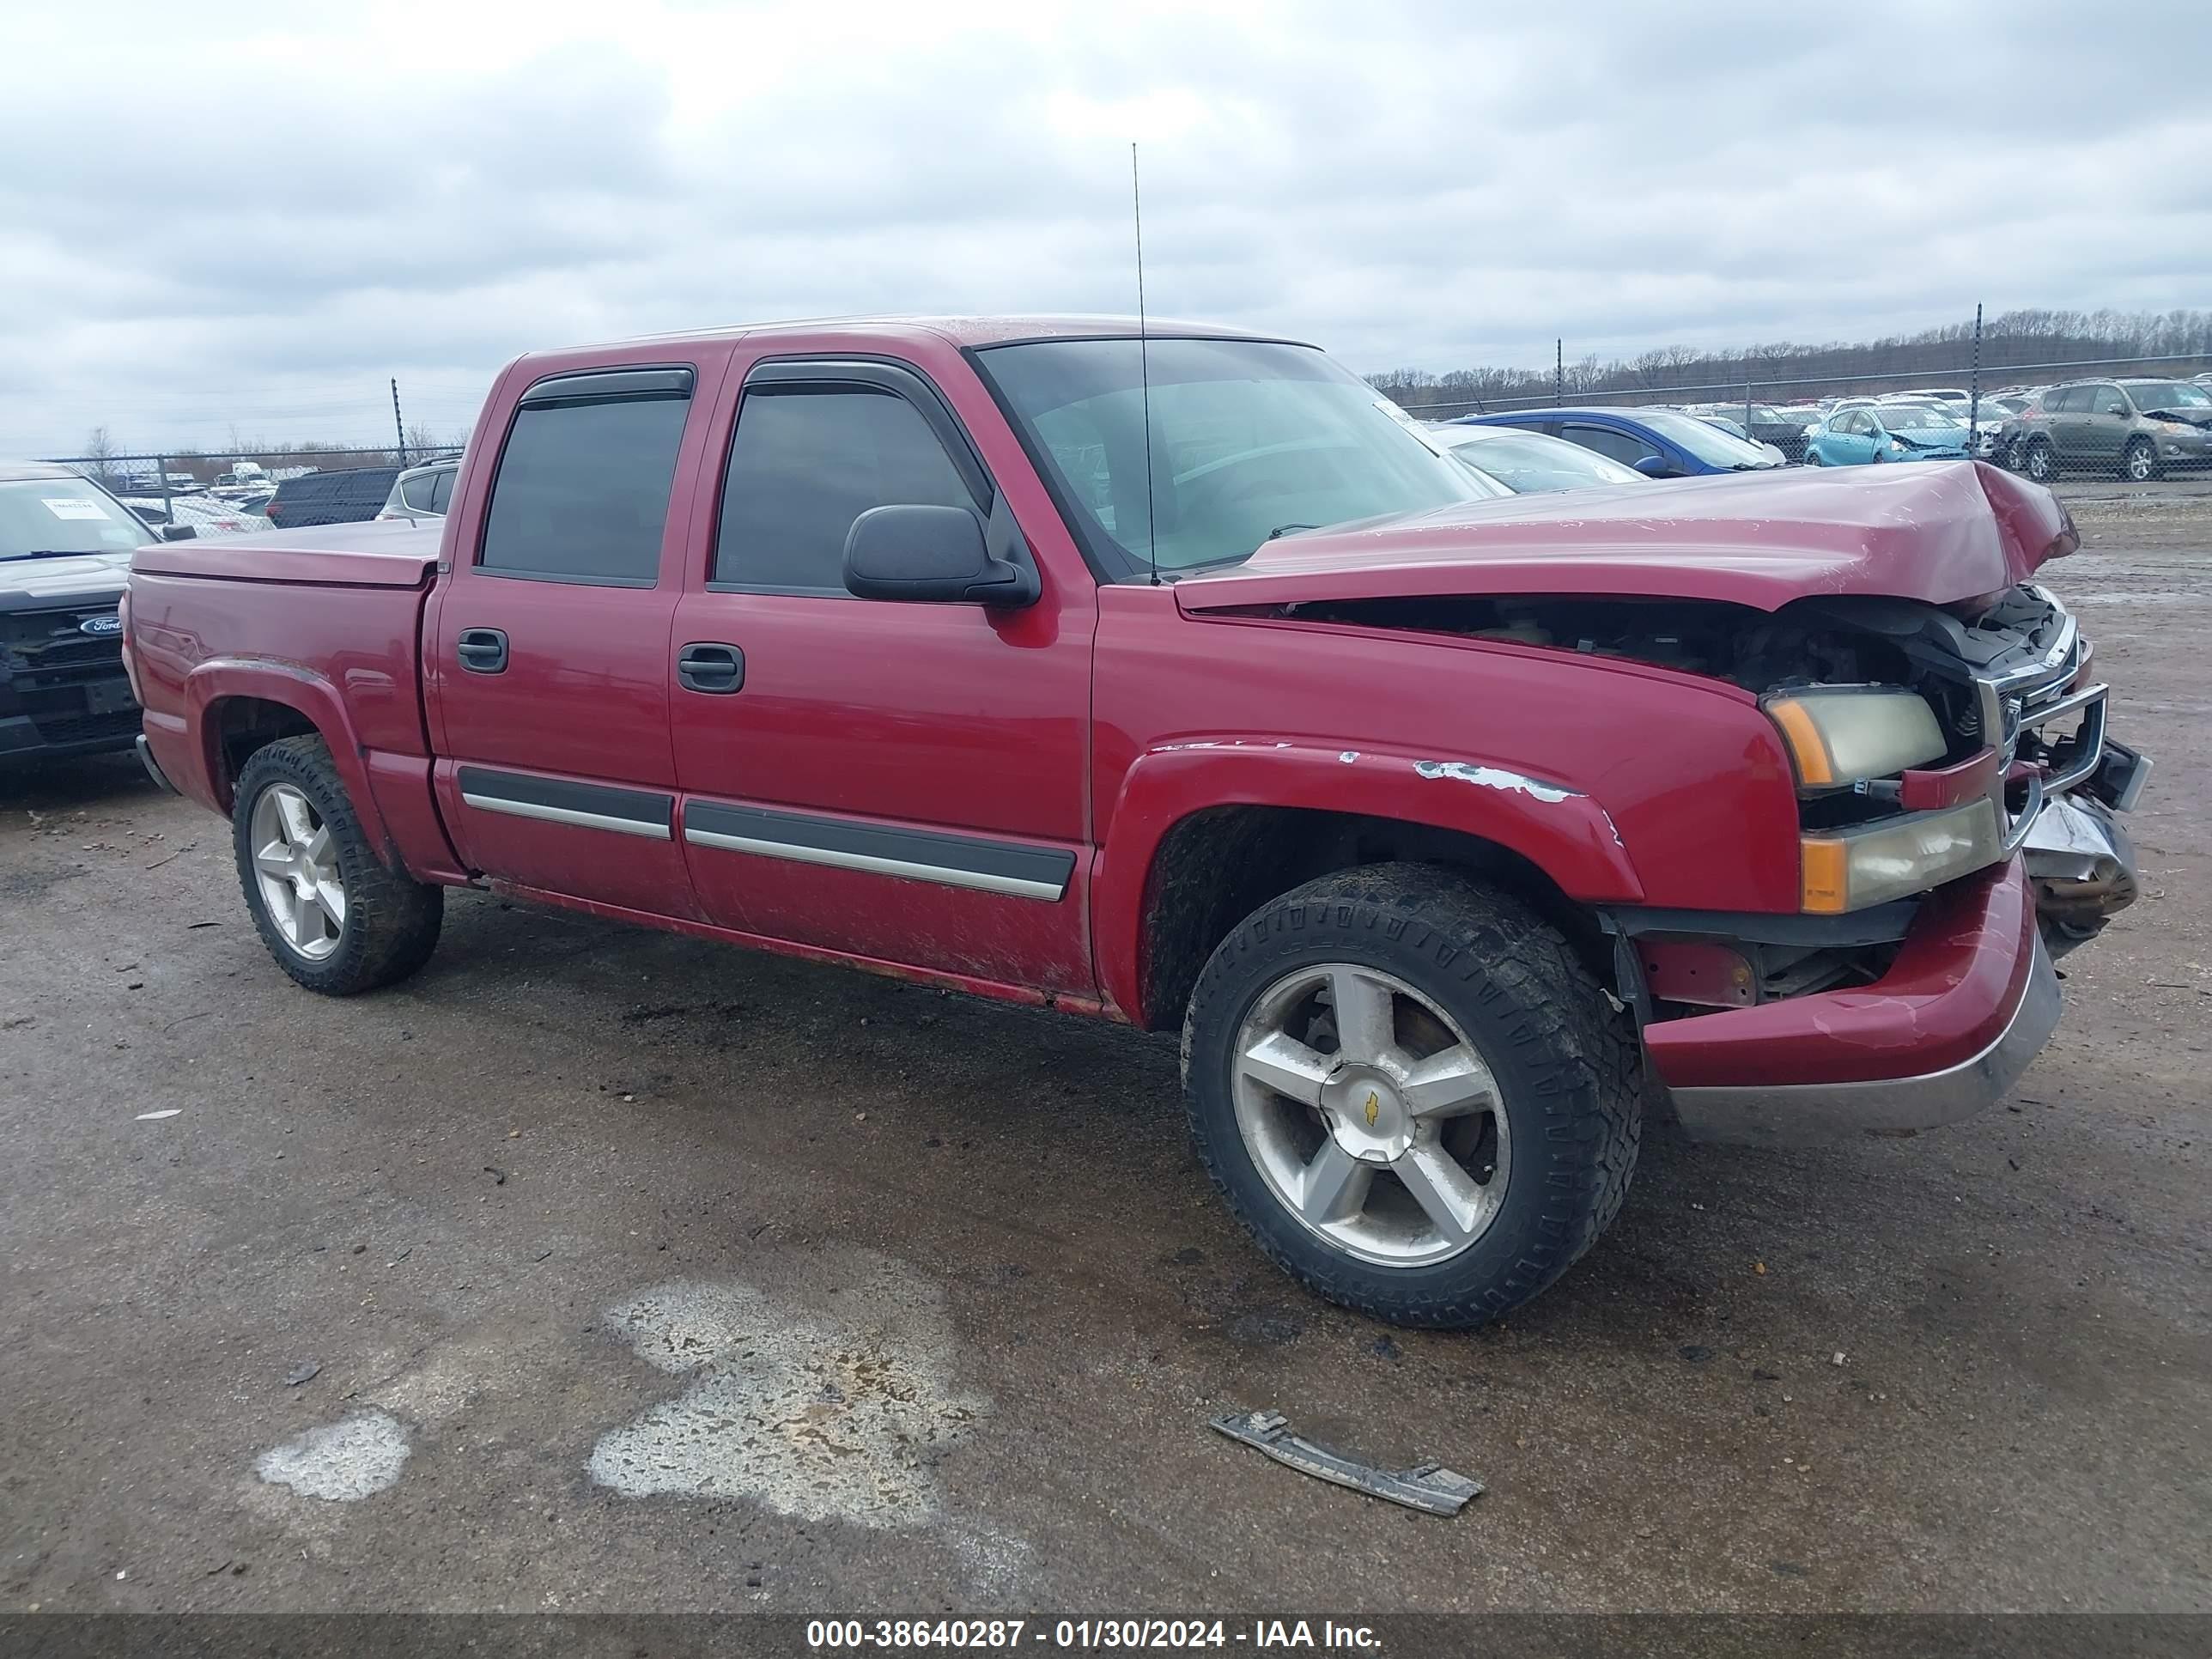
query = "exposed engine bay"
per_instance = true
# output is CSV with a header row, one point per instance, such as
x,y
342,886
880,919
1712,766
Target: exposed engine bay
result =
x,y
2011,674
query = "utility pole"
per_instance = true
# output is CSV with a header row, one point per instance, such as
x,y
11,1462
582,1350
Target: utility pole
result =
x,y
1974,387
1558,370
399,426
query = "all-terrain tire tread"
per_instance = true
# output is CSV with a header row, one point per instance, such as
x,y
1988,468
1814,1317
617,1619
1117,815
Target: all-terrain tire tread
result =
x,y
393,920
1594,1122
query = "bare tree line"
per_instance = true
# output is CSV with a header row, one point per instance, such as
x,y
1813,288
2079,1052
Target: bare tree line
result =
x,y
109,459
1782,368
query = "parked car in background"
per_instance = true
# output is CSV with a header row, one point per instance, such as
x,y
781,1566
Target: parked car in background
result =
x,y
1887,432
65,548
1935,394
1758,423
421,492
2138,428
1529,463
340,496
1660,443
206,515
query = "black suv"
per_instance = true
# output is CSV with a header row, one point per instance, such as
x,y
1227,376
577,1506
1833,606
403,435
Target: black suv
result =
x,y
65,548
348,495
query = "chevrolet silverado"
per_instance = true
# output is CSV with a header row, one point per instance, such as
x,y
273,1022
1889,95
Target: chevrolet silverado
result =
x,y
1177,678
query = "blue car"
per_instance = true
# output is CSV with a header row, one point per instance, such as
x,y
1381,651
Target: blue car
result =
x,y
1660,443
1887,432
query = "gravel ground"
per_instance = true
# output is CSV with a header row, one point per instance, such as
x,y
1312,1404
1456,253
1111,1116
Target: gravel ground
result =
x,y
597,1269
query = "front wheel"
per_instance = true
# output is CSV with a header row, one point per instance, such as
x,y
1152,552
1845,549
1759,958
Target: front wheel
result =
x,y
2042,464
337,918
2139,464
1412,1092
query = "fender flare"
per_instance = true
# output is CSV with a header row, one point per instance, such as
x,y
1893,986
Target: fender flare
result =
x,y
220,679
1561,831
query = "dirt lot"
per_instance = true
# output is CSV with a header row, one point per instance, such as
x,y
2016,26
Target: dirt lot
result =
x,y
553,1217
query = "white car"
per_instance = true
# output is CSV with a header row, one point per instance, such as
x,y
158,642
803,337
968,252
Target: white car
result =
x,y
203,514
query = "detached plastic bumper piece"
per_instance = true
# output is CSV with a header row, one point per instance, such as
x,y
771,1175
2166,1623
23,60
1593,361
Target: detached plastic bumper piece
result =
x,y
1430,1487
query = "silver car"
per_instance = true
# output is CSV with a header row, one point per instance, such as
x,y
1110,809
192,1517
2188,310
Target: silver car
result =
x,y
421,492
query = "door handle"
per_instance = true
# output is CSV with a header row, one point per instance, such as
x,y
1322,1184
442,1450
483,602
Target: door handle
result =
x,y
717,670
481,650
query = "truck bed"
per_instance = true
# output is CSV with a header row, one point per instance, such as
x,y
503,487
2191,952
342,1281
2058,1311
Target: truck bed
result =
x,y
371,554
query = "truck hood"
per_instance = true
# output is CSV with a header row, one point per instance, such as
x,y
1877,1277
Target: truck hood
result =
x,y
371,554
73,575
1949,533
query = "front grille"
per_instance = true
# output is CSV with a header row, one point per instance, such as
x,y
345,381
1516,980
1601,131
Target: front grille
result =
x,y
120,726
2015,704
52,649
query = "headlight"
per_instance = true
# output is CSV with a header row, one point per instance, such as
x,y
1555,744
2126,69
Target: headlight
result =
x,y
1849,869
1838,738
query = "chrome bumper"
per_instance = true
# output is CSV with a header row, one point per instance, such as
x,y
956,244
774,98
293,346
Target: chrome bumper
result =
x,y
1795,1114
2081,865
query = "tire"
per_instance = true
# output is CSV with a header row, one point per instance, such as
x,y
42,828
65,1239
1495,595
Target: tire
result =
x,y
2139,461
371,926
1561,1126
1813,458
2041,466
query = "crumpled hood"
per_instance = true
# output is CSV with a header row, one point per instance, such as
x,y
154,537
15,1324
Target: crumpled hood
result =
x,y
1947,533
1926,439
97,575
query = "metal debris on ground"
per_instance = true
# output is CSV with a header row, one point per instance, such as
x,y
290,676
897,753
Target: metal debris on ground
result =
x,y
307,1372
146,1117
1428,1487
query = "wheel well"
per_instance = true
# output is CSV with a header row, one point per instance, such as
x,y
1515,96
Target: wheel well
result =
x,y
239,725
1215,868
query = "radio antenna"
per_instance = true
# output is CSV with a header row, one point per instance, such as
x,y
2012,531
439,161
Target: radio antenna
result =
x,y
1144,375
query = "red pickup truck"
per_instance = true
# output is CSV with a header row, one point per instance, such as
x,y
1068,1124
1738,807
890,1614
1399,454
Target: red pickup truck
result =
x,y
1180,679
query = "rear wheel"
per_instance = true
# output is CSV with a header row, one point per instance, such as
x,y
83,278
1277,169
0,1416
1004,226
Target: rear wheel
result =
x,y
334,916
1411,1091
2139,461
2042,466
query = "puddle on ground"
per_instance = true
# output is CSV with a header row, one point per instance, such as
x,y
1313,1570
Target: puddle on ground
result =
x,y
343,1462
822,1416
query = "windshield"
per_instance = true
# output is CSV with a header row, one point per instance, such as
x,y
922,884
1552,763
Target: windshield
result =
x,y
1907,417
2168,394
63,515
1250,439
1708,443
1529,462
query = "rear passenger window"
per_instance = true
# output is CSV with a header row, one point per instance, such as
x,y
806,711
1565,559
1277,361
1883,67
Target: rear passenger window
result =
x,y
805,463
442,490
421,494
582,488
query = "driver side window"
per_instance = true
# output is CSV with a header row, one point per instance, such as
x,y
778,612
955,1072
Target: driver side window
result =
x,y
807,461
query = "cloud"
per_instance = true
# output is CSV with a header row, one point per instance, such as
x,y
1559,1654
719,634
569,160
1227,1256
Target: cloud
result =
x,y
253,224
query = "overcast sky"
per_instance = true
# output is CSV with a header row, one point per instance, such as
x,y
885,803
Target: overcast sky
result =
x,y
250,223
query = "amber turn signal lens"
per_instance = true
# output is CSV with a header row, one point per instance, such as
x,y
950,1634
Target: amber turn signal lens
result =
x,y
1825,879
1807,747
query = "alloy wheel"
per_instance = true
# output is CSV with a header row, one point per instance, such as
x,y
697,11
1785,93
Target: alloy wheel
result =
x,y
1372,1119
296,866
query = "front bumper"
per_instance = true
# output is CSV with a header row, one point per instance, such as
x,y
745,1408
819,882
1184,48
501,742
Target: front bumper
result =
x,y
1969,1000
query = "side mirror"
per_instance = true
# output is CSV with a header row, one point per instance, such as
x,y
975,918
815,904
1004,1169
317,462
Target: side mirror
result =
x,y
180,532
1655,466
934,555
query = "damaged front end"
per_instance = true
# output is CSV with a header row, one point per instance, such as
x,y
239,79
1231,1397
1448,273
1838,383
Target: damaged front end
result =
x,y
1929,744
